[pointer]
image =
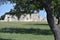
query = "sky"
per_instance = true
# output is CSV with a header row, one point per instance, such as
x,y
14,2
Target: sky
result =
x,y
42,13
7,7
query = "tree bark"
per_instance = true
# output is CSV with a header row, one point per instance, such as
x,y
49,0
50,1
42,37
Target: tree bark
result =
x,y
59,20
50,18
55,28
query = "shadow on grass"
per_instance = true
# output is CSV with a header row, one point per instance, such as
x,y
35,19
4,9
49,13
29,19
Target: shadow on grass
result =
x,y
37,24
4,39
26,31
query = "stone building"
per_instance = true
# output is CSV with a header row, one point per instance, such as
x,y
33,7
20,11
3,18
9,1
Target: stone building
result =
x,y
32,17
10,18
25,17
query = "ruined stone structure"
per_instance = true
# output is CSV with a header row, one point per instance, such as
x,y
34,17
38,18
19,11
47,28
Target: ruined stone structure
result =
x,y
10,18
25,17
44,19
32,17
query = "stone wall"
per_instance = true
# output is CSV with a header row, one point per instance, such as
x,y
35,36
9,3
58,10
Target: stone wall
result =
x,y
25,17
10,18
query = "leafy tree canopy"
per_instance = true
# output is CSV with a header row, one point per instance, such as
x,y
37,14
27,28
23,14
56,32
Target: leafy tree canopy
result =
x,y
28,6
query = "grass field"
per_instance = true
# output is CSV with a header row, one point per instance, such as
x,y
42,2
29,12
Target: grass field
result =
x,y
25,31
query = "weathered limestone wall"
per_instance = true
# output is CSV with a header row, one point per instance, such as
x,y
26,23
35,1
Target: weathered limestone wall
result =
x,y
25,18
10,18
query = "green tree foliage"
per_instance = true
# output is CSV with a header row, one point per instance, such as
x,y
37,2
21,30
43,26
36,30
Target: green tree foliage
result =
x,y
28,6
2,17
32,4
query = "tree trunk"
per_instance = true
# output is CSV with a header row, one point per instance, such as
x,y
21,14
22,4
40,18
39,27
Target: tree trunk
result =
x,y
50,18
55,28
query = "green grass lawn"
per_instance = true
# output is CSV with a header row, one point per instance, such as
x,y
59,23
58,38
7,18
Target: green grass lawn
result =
x,y
25,31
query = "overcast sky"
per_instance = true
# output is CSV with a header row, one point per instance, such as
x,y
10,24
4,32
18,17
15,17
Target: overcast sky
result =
x,y
6,8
